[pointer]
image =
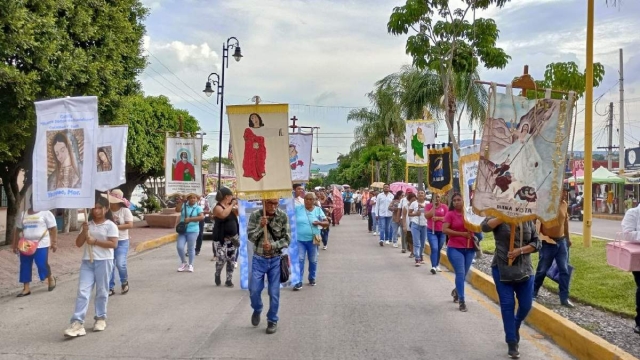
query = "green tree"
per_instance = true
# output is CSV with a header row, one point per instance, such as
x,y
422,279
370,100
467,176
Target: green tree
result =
x,y
566,76
56,48
450,46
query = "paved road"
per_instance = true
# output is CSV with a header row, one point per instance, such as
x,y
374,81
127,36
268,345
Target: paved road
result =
x,y
601,228
370,303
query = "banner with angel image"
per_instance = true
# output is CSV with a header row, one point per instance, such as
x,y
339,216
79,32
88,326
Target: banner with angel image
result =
x,y
260,139
439,171
183,165
468,167
523,151
300,148
418,133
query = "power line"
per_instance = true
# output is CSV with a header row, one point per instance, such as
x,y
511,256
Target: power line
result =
x,y
208,109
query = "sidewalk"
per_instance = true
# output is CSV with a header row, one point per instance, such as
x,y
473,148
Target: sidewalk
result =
x,y
66,260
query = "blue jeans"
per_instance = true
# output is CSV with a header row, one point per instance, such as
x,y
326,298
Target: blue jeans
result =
x,y
560,253
461,260
93,273
436,242
306,248
524,292
419,235
269,267
394,231
26,265
120,261
325,236
385,228
189,239
374,219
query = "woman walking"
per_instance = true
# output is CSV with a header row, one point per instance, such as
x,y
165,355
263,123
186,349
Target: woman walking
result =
x,y
396,217
225,234
100,235
460,247
435,214
38,226
326,204
408,236
190,214
515,281
418,227
308,220
123,218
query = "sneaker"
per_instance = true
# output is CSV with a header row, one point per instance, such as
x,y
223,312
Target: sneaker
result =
x,y
272,327
235,264
417,263
197,252
473,261
75,329
183,267
395,245
568,304
463,306
324,248
190,268
433,270
404,251
411,255
228,284
381,243
387,242
218,281
454,294
100,325
375,233
438,268
312,282
255,318
513,350
297,287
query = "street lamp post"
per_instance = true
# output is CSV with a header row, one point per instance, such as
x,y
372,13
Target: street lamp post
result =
x,y
215,80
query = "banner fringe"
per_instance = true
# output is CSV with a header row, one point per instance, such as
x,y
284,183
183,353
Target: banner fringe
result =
x,y
250,109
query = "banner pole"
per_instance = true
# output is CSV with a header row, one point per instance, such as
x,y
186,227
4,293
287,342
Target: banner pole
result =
x,y
406,174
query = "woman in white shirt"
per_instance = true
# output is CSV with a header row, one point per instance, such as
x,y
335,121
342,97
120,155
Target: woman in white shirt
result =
x,y
123,218
418,226
37,226
99,237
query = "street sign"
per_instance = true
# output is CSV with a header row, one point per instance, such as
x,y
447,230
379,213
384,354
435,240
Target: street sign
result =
x,y
632,159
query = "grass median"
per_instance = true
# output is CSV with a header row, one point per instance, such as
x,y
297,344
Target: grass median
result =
x,y
594,282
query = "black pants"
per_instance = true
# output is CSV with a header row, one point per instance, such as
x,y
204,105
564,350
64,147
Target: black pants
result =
x,y
359,208
370,221
347,208
636,277
199,239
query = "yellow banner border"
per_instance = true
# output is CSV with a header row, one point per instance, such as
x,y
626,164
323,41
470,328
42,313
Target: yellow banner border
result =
x,y
449,186
260,108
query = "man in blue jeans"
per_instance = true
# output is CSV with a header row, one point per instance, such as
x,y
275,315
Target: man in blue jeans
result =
x,y
555,246
267,250
383,215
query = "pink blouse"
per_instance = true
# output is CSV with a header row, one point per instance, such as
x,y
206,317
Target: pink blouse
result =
x,y
441,211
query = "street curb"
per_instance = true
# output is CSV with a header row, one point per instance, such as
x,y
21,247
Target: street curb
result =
x,y
568,335
607,217
152,244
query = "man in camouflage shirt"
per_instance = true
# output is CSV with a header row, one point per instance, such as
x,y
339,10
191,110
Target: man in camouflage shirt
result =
x,y
266,259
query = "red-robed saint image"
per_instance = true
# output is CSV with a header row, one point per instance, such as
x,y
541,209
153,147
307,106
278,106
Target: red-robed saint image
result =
x,y
183,170
255,151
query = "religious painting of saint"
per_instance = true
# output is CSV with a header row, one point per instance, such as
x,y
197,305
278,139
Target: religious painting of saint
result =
x,y
104,159
255,150
417,144
183,169
65,161
294,161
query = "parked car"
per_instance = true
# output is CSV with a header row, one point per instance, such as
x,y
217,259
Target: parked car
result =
x,y
208,221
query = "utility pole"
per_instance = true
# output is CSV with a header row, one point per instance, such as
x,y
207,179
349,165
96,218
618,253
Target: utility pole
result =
x,y
610,146
588,129
621,155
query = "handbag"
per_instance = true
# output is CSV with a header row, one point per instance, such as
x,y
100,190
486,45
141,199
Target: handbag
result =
x,y
554,272
181,228
29,247
284,268
317,238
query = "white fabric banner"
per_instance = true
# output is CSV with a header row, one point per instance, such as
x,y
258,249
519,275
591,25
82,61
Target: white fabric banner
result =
x,y
64,153
418,134
468,164
111,157
300,149
183,166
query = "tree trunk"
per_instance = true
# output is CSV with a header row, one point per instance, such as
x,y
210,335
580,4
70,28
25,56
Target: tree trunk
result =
x,y
73,220
388,171
377,171
421,178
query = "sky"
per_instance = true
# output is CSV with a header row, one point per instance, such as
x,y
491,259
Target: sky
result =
x,y
323,56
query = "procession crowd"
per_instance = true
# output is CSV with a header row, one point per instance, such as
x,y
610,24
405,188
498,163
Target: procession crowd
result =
x,y
408,218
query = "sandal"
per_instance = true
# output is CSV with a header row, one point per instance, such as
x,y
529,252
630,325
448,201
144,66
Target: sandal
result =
x,y
454,294
55,282
125,288
111,292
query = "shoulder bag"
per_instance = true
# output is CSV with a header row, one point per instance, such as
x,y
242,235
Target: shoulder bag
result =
x,y
284,260
29,247
317,238
181,228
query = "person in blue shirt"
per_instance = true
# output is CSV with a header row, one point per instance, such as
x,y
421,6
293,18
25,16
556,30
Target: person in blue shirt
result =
x,y
191,214
309,220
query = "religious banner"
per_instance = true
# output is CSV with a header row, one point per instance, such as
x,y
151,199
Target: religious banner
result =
x,y
64,153
230,152
521,167
183,166
418,134
300,148
260,139
468,166
439,170
111,157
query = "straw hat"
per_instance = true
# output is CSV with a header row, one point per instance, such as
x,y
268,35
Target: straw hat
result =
x,y
116,196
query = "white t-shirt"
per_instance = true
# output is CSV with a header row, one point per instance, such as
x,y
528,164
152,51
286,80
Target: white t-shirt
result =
x,y
101,232
404,204
420,219
382,203
121,217
34,225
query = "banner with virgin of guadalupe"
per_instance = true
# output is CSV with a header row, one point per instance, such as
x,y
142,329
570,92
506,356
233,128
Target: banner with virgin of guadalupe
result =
x,y
300,148
418,133
468,169
521,167
111,157
64,154
439,170
183,165
260,139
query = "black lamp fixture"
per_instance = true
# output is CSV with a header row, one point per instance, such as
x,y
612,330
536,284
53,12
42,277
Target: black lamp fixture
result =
x,y
215,81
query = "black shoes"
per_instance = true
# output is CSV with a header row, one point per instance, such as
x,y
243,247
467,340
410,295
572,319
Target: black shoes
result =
x,y
568,304
272,327
218,281
228,284
381,243
255,318
514,352
24,294
312,282
463,306
454,294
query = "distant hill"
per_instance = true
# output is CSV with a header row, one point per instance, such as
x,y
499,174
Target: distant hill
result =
x,y
324,168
